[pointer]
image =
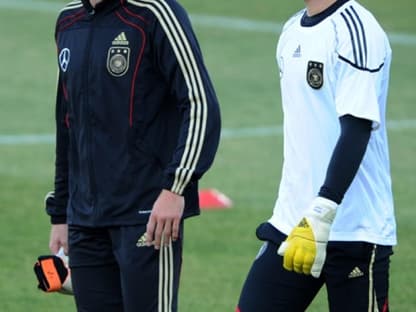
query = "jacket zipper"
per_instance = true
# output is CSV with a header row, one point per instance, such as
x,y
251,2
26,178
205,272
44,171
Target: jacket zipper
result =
x,y
90,117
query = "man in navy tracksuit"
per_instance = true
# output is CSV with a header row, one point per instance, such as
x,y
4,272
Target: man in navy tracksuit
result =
x,y
138,124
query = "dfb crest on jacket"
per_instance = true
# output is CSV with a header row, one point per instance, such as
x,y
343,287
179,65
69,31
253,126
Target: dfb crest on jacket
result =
x,y
118,56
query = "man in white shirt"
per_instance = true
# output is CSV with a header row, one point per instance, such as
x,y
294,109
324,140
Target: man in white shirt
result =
x,y
333,222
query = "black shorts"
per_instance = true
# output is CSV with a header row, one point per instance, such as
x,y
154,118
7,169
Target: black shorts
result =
x,y
113,271
356,275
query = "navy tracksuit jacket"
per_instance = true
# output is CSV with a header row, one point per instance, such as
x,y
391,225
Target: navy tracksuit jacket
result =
x,y
136,112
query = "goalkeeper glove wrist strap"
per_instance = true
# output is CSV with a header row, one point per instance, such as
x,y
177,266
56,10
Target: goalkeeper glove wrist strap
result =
x,y
51,273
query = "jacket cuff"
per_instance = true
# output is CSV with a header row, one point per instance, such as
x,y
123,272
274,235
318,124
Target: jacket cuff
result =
x,y
57,214
168,185
58,219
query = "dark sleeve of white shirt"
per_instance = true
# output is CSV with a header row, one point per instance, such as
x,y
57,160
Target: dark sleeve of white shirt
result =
x,y
346,158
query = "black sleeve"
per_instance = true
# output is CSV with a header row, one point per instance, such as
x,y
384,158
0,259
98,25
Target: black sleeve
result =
x,y
56,201
180,61
346,158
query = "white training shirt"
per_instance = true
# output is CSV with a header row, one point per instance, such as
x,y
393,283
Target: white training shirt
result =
x,y
337,67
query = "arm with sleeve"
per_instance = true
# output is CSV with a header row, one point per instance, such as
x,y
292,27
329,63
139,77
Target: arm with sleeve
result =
x,y
346,158
180,60
56,201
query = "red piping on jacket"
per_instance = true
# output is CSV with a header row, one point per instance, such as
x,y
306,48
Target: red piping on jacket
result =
x,y
136,70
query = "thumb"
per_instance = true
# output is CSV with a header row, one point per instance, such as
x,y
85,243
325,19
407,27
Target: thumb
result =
x,y
316,272
282,249
318,263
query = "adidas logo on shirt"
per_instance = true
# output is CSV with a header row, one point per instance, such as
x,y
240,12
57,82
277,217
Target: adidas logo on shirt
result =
x,y
121,39
356,272
298,52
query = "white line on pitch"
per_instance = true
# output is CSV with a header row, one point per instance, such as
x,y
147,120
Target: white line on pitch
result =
x,y
226,133
223,22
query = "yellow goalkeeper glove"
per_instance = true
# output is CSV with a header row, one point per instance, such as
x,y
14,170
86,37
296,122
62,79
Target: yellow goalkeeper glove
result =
x,y
304,250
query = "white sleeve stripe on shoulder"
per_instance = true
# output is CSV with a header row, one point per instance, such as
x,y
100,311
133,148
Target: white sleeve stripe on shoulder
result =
x,y
357,34
363,33
197,96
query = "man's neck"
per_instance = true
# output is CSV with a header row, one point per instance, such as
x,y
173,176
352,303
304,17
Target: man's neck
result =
x,y
94,2
314,7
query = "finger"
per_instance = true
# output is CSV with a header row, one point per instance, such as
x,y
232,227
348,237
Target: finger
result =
x,y
150,229
167,233
307,265
298,258
54,247
158,234
288,257
65,247
175,229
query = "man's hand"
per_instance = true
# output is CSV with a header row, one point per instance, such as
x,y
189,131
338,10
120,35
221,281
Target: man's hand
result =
x,y
58,238
304,250
165,219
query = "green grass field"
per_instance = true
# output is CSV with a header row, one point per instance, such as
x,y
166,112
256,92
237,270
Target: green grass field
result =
x,y
219,245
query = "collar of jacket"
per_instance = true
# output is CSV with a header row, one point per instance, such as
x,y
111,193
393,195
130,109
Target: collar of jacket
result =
x,y
105,5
